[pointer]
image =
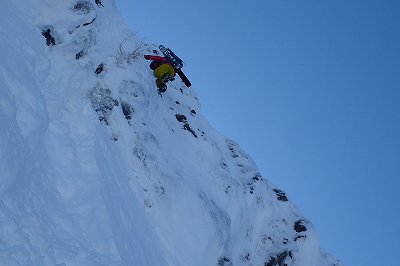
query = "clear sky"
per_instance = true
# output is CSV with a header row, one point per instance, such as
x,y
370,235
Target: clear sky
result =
x,y
311,90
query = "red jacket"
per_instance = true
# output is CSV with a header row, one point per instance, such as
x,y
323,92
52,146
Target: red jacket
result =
x,y
156,61
156,58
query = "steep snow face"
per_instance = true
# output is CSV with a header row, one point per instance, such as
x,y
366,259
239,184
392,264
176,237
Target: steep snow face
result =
x,y
98,168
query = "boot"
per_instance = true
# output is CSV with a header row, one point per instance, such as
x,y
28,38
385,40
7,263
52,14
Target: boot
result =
x,y
161,85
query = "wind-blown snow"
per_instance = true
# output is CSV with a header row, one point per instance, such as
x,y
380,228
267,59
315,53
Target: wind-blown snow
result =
x,y
100,169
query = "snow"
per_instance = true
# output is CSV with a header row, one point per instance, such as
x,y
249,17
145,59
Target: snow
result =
x,y
84,184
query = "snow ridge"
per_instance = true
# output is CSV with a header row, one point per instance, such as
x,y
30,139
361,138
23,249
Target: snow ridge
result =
x,y
98,168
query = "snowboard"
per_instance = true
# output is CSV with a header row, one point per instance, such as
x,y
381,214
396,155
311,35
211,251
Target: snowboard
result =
x,y
183,77
171,57
174,60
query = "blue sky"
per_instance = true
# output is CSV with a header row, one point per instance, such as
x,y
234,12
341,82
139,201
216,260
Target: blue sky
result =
x,y
311,90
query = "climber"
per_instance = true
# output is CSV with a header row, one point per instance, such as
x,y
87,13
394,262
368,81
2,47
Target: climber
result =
x,y
163,71
98,3
49,39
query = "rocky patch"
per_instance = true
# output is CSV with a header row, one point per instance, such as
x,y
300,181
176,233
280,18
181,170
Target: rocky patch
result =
x,y
224,261
280,259
83,7
281,195
127,110
186,126
102,102
299,226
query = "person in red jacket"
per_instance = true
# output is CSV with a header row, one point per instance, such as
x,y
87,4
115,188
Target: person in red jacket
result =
x,y
163,71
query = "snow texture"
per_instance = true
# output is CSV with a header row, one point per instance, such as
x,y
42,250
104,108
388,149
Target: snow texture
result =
x,y
98,168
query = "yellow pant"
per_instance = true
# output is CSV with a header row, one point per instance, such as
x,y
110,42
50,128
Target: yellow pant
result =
x,y
160,71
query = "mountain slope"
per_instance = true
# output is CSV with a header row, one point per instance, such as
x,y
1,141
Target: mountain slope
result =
x,y
99,169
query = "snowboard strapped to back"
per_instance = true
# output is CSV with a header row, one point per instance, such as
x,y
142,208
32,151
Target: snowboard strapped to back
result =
x,y
174,60
171,57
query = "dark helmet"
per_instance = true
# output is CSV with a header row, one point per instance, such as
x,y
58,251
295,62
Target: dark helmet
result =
x,y
155,64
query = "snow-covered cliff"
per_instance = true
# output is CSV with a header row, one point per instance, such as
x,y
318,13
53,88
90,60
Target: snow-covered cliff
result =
x,y
98,168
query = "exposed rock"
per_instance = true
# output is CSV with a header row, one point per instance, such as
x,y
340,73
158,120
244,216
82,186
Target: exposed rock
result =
x,y
299,226
280,195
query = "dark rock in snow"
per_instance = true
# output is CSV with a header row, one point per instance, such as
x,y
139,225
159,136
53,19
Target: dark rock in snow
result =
x,y
299,226
299,237
280,195
257,177
80,54
187,127
279,260
49,38
88,23
181,118
83,7
99,69
127,110
224,261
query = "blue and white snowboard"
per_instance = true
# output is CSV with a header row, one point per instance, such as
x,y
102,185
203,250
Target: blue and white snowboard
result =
x,y
174,60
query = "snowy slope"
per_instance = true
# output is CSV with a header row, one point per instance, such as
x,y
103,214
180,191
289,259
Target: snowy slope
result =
x,y
99,169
